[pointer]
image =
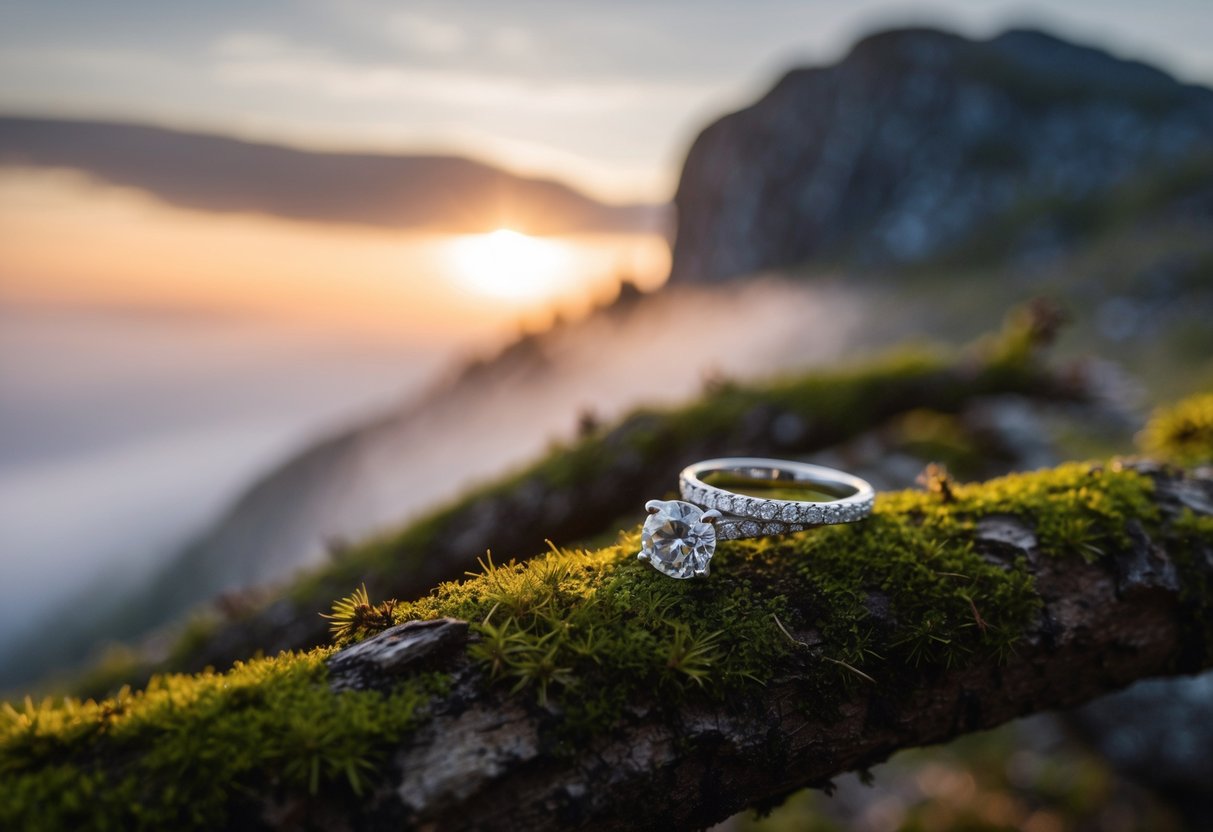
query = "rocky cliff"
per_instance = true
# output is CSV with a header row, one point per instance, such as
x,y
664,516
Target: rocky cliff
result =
x,y
920,140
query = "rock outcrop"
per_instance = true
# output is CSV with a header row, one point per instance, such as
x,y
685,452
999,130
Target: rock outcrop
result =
x,y
919,141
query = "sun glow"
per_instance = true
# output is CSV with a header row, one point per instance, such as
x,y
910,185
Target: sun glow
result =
x,y
511,266
131,252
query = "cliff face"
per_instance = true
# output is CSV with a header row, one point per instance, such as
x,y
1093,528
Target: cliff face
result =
x,y
917,141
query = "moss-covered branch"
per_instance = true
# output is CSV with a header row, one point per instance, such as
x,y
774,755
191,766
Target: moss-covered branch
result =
x,y
590,690
583,491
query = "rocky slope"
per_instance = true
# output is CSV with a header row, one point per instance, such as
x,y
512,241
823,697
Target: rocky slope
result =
x,y
919,141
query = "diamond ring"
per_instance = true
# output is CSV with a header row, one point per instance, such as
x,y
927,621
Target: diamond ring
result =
x,y
679,536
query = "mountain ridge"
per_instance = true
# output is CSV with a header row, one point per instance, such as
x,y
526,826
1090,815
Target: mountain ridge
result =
x,y
213,172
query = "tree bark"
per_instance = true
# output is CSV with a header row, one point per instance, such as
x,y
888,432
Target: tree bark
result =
x,y
481,760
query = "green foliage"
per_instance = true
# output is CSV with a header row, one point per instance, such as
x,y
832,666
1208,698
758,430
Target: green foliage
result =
x,y
596,629
1181,433
197,751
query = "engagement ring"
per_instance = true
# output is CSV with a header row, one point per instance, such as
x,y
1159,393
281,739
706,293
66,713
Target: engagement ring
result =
x,y
679,536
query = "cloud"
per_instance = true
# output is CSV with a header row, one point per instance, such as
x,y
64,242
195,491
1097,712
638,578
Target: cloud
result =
x,y
426,34
268,61
512,42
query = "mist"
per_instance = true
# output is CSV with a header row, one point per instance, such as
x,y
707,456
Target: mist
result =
x,y
125,432
499,415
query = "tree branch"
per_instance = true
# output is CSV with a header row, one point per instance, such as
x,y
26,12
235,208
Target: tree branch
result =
x,y
576,493
486,759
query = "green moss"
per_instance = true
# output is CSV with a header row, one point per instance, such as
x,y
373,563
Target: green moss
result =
x,y
355,618
1075,509
197,751
906,589
1181,433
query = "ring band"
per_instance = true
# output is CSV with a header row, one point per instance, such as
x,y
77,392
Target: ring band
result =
x,y
679,537
746,516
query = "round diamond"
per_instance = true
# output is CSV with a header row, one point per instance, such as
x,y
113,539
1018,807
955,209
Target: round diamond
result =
x,y
768,510
676,541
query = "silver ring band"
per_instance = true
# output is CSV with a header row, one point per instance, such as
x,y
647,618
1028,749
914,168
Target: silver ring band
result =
x,y
746,516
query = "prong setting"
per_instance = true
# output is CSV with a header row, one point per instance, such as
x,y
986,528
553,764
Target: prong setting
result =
x,y
678,538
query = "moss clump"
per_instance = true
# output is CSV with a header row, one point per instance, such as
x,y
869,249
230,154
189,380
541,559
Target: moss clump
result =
x,y
356,618
197,751
1181,433
1075,509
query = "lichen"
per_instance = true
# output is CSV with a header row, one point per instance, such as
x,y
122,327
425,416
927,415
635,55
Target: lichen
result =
x,y
196,751
1181,433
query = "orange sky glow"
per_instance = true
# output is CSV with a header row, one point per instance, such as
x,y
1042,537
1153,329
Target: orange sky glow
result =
x,y
67,240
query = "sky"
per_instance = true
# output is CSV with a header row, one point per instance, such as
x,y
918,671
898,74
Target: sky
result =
x,y
606,95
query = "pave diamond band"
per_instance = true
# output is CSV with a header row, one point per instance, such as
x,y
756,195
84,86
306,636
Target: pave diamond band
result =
x,y
850,498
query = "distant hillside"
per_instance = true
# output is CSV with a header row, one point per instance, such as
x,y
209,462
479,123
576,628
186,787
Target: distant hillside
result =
x,y
216,173
919,141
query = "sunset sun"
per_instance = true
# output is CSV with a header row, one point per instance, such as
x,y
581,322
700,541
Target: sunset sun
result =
x,y
512,266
